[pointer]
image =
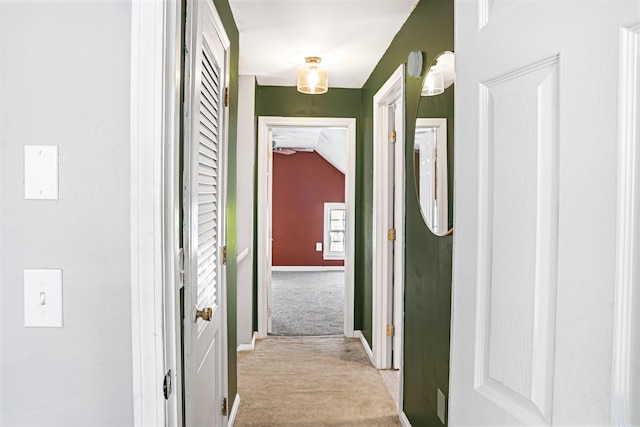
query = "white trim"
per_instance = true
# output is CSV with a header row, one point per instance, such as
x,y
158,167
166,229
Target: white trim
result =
x,y
264,153
628,230
404,421
365,344
154,60
307,268
234,411
242,255
249,347
392,92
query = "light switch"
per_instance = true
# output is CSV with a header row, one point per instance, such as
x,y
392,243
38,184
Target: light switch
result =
x,y
41,172
318,246
43,298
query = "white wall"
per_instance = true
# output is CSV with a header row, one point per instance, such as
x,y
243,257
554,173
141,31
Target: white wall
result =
x,y
246,176
64,80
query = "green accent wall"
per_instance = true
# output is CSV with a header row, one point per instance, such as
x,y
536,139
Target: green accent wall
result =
x,y
288,102
428,258
282,101
224,10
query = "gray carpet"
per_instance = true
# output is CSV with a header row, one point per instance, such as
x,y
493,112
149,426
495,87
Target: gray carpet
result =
x,y
308,303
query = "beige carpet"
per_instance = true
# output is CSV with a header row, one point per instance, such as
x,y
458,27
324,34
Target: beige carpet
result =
x,y
311,381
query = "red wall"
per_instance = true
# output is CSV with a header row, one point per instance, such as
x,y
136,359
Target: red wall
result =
x,y
302,183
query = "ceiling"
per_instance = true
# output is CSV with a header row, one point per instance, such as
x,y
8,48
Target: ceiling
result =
x,y
330,143
349,35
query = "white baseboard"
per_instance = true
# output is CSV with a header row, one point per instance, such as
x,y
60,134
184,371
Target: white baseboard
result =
x,y
365,344
234,411
249,347
308,268
404,420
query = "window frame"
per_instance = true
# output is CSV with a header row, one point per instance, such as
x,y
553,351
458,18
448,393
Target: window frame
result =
x,y
327,254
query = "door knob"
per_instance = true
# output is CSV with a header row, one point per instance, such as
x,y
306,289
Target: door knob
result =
x,y
204,314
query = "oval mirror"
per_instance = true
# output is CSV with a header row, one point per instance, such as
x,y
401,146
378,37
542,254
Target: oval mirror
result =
x,y
431,161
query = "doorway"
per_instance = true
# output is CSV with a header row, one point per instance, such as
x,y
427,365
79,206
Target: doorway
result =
x,y
266,127
308,225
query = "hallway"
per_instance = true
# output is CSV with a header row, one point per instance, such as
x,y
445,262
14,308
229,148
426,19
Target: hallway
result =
x,y
311,381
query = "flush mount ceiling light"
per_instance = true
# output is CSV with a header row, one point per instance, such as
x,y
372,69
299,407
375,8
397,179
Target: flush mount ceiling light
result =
x,y
312,76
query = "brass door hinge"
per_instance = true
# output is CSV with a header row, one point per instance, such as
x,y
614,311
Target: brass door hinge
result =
x,y
224,407
392,137
391,330
226,96
391,234
224,255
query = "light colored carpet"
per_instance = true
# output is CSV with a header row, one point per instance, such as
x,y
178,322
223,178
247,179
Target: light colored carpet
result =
x,y
311,381
308,303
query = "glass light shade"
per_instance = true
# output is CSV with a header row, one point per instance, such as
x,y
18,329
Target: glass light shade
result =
x,y
312,77
433,83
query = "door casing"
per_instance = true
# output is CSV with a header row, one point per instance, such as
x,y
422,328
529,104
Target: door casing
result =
x,y
265,123
388,297
155,118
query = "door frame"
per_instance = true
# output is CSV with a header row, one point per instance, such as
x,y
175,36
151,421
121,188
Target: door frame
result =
x,y
154,132
392,92
264,151
627,280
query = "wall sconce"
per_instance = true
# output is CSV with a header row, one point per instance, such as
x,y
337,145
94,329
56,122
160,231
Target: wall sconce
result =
x,y
312,76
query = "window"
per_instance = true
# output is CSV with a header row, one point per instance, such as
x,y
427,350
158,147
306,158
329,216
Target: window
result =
x,y
335,225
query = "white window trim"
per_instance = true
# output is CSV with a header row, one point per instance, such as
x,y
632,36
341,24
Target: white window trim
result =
x,y
326,253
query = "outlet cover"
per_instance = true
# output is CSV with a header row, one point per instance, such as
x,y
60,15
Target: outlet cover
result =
x,y
41,172
318,246
441,406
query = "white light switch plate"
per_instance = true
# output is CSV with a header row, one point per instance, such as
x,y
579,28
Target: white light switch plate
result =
x,y
41,172
318,247
43,298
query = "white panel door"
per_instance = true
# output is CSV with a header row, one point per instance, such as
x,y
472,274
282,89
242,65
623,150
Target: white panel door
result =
x,y
204,226
540,101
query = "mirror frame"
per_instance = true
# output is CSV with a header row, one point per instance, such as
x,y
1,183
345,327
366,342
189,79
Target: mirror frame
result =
x,y
434,217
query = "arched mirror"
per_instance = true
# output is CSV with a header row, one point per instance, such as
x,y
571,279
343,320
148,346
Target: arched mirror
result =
x,y
432,157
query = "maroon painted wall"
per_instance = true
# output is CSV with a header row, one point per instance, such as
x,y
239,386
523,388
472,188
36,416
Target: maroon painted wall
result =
x,y
302,183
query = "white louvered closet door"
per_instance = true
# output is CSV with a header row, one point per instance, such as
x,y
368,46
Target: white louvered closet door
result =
x,y
204,145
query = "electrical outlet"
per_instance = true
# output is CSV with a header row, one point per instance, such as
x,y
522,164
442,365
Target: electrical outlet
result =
x,y
441,406
318,246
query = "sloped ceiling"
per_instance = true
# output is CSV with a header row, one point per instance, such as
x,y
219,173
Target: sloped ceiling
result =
x,y
330,143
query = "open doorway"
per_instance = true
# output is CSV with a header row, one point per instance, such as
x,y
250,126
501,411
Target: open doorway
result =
x,y
296,127
308,230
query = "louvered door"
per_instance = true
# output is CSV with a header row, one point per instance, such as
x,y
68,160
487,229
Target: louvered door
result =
x,y
204,146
